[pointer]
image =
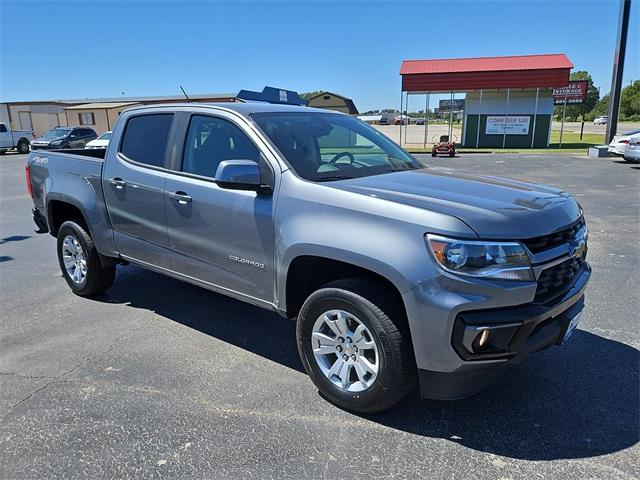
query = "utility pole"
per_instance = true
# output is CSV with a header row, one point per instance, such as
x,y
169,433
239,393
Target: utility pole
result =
x,y
618,69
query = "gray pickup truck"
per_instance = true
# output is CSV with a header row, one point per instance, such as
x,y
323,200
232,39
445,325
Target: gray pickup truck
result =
x,y
396,273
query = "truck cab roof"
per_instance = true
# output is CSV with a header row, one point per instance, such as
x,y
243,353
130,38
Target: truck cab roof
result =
x,y
243,108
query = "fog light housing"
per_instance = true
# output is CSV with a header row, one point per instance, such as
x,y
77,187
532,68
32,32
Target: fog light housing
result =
x,y
488,339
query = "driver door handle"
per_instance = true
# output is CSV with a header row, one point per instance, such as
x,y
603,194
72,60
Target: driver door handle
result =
x,y
181,197
118,183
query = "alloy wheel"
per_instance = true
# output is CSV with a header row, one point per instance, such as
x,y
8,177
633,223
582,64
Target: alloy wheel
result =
x,y
345,350
74,259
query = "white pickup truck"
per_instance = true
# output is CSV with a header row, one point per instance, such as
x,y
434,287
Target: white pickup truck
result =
x,y
14,139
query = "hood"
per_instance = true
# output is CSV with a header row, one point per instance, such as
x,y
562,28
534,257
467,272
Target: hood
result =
x,y
46,141
493,207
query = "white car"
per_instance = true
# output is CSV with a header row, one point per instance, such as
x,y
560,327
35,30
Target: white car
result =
x,y
101,142
632,152
601,120
619,143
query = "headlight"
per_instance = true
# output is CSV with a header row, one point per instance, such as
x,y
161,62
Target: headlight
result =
x,y
59,142
501,260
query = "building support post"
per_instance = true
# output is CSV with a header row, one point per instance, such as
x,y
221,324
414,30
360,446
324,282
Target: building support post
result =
x,y
535,115
426,119
451,117
406,107
401,100
479,117
564,109
504,127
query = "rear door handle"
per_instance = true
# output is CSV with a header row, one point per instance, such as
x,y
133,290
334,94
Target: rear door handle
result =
x,y
118,183
181,197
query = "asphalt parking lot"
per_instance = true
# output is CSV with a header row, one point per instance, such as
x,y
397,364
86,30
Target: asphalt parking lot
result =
x,y
160,379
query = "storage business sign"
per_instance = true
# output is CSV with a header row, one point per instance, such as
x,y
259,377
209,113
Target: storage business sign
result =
x,y
510,125
575,92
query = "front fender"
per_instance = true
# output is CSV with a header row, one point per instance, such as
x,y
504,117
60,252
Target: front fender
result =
x,y
380,236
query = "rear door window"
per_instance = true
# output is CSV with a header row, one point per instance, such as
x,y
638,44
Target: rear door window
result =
x,y
145,138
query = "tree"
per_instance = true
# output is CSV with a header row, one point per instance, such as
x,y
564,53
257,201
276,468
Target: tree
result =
x,y
601,108
574,111
630,102
308,95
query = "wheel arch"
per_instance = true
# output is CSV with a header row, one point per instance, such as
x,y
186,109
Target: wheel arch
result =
x,y
60,210
306,273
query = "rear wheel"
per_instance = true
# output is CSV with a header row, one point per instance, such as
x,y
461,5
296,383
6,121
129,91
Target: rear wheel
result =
x,y
353,346
23,146
79,261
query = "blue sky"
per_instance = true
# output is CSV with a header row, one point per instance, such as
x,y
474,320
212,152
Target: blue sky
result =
x,y
55,50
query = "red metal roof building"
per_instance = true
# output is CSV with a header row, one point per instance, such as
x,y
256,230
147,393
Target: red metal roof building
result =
x,y
507,100
522,71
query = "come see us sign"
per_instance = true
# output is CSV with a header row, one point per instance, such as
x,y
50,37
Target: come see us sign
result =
x,y
511,125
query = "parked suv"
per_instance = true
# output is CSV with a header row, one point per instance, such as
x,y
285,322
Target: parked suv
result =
x,y
64,137
394,272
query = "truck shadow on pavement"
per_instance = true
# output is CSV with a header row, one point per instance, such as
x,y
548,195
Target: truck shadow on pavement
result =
x,y
578,401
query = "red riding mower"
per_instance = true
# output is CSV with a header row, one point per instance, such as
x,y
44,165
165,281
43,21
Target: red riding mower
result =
x,y
444,146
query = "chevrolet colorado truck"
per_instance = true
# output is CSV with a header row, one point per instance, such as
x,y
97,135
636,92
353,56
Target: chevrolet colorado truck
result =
x,y
397,274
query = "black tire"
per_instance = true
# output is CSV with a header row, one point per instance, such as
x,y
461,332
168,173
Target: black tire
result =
x,y
373,305
433,154
98,278
452,154
23,146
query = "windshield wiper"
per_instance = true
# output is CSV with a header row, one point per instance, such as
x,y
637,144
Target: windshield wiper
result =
x,y
328,178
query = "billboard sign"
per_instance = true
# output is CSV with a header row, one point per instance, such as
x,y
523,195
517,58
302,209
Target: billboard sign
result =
x,y
510,125
445,105
575,93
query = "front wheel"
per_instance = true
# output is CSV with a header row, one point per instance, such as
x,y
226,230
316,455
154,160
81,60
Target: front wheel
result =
x,y
79,262
353,347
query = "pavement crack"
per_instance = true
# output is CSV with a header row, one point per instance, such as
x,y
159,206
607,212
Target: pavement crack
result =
x,y
29,377
59,378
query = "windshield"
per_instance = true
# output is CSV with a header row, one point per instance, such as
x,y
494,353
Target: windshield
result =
x,y
104,136
328,146
57,133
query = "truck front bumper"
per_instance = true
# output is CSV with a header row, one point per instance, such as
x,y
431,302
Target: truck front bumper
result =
x,y
447,316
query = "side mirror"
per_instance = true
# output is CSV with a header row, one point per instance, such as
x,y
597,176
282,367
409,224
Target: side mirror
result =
x,y
240,175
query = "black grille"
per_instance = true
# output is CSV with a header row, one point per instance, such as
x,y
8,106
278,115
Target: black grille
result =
x,y
555,281
538,244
